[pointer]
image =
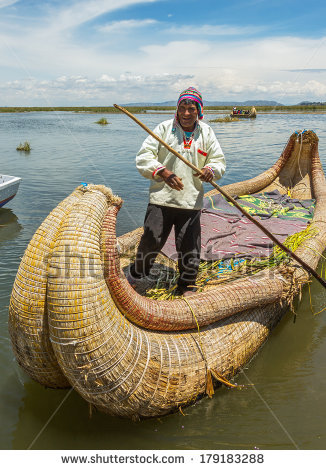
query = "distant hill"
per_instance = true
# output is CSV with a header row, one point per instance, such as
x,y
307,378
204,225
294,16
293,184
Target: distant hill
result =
x,y
243,103
308,103
214,103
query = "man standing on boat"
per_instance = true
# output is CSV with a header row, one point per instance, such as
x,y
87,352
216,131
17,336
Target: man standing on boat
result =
x,y
176,193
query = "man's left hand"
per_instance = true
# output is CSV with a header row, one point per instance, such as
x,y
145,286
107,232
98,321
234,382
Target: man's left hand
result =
x,y
206,175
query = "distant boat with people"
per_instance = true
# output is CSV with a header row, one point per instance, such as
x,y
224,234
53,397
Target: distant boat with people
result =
x,y
244,113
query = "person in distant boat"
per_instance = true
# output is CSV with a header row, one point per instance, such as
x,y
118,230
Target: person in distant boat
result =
x,y
176,192
235,110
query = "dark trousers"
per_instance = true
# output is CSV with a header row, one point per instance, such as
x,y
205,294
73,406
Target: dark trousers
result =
x,y
158,223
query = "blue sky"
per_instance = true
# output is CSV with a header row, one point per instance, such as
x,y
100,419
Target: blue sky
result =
x,y
97,52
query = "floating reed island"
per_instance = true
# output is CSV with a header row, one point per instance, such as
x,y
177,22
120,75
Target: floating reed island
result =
x,y
103,121
225,119
25,147
74,320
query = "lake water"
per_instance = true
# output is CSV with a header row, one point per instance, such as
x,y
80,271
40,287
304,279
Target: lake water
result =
x,y
284,409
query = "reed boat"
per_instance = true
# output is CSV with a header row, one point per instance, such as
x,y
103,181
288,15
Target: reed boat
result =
x,y
249,114
8,188
75,321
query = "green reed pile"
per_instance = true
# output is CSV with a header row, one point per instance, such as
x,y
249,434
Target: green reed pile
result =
x,y
25,147
103,121
219,272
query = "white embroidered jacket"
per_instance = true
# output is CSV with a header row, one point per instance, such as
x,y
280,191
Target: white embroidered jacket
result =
x,y
205,151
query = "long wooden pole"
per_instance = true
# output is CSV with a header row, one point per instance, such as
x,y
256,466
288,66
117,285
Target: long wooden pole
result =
x,y
229,198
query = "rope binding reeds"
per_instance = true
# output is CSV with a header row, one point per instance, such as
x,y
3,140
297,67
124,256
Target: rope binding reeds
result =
x,y
209,372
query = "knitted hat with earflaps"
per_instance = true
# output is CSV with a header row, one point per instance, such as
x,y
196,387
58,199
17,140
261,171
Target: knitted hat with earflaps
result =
x,y
192,94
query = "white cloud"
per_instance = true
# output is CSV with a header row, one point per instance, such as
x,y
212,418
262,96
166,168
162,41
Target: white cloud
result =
x,y
82,11
125,25
106,79
81,90
214,30
49,47
248,56
255,67
306,70
278,88
178,54
7,3
105,90
34,54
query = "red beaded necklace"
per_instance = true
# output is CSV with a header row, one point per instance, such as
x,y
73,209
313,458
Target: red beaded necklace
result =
x,y
187,143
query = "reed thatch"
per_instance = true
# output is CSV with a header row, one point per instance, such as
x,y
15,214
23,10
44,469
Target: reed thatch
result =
x,y
84,307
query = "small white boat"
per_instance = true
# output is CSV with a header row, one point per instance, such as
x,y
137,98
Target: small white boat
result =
x,y
8,188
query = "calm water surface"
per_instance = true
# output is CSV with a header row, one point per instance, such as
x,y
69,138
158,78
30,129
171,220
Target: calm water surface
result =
x,y
284,409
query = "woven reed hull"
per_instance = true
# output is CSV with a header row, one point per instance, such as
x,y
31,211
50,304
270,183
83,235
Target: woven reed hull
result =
x,y
120,367
27,321
116,365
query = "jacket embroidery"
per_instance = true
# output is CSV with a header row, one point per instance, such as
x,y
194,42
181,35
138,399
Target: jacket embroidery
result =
x,y
202,152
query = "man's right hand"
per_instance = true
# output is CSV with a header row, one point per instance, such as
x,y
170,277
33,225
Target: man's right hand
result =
x,y
171,179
